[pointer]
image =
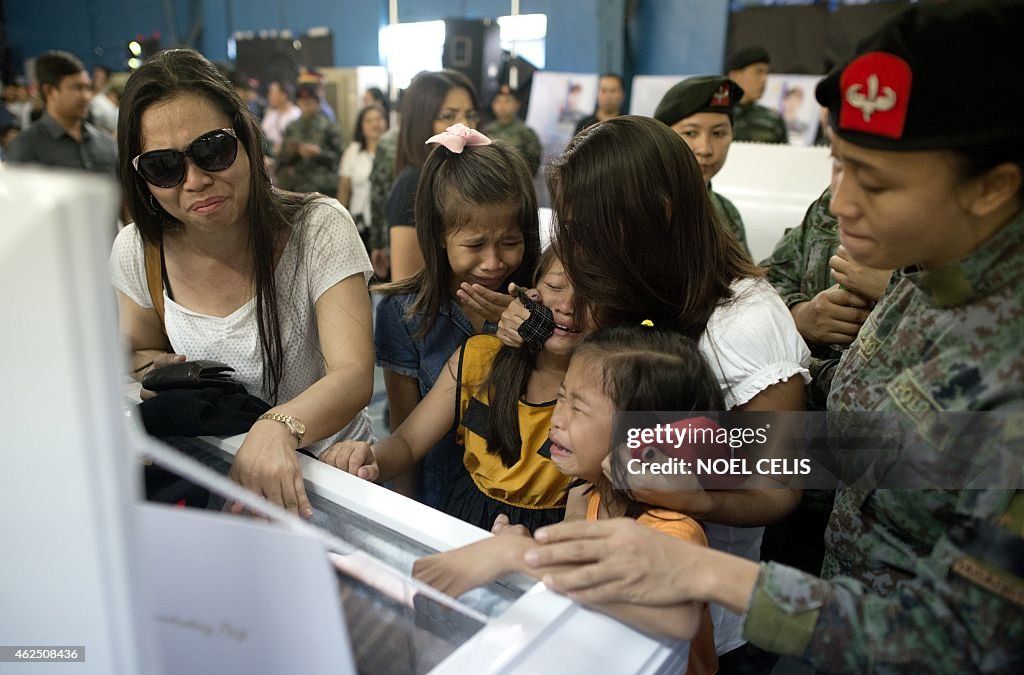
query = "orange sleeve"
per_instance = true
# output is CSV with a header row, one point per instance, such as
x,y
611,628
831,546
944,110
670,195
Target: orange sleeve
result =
x,y
675,525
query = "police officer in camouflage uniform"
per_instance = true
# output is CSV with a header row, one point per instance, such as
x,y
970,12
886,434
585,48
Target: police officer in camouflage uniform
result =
x,y
509,128
311,148
700,110
754,122
803,269
929,179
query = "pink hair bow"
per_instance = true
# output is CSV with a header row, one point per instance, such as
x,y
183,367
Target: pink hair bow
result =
x,y
458,136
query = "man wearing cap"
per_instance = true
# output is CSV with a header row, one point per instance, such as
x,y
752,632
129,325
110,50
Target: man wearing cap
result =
x,y
279,114
929,180
749,69
311,149
700,110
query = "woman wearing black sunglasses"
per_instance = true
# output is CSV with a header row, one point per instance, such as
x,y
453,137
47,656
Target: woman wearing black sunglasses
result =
x,y
270,282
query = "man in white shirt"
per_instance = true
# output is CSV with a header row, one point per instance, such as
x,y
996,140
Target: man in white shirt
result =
x,y
281,112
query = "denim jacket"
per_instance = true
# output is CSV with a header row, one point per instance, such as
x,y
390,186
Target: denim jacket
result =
x,y
399,351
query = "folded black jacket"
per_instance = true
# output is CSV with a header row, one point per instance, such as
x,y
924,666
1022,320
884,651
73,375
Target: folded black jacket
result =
x,y
214,411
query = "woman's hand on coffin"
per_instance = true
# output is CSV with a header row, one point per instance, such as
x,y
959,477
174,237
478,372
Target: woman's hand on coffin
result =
x,y
266,463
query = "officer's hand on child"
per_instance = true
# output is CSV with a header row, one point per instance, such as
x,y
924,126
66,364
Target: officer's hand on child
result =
x,y
354,457
616,560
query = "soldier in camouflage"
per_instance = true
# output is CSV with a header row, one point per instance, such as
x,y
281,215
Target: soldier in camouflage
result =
x,y
381,177
759,124
803,269
700,110
752,121
311,149
509,128
915,580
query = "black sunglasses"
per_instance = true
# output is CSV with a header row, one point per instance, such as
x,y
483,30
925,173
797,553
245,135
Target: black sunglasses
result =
x,y
213,151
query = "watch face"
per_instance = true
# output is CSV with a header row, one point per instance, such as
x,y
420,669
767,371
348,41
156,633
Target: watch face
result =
x,y
296,426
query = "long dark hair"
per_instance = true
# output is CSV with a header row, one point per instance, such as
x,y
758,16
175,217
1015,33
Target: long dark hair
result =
x,y
506,385
648,369
451,186
357,135
185,72
420,105
636,231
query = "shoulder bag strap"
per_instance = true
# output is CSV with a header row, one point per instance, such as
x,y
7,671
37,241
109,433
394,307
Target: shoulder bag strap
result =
x,y
155,278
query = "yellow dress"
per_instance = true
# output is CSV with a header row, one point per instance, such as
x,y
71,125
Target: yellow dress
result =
x,y
532,491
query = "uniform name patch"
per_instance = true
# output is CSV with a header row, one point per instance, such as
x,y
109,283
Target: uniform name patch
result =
x,y
1002,585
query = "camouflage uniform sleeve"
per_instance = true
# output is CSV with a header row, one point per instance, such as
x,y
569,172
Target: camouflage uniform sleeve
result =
x,y
785,266
960,612
381,177
789,269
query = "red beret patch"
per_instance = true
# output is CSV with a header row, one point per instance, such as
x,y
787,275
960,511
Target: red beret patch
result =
x,y
720,99
875,90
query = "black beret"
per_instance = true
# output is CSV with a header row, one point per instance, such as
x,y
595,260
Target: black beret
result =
x,y
707,93
939,76
747,56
